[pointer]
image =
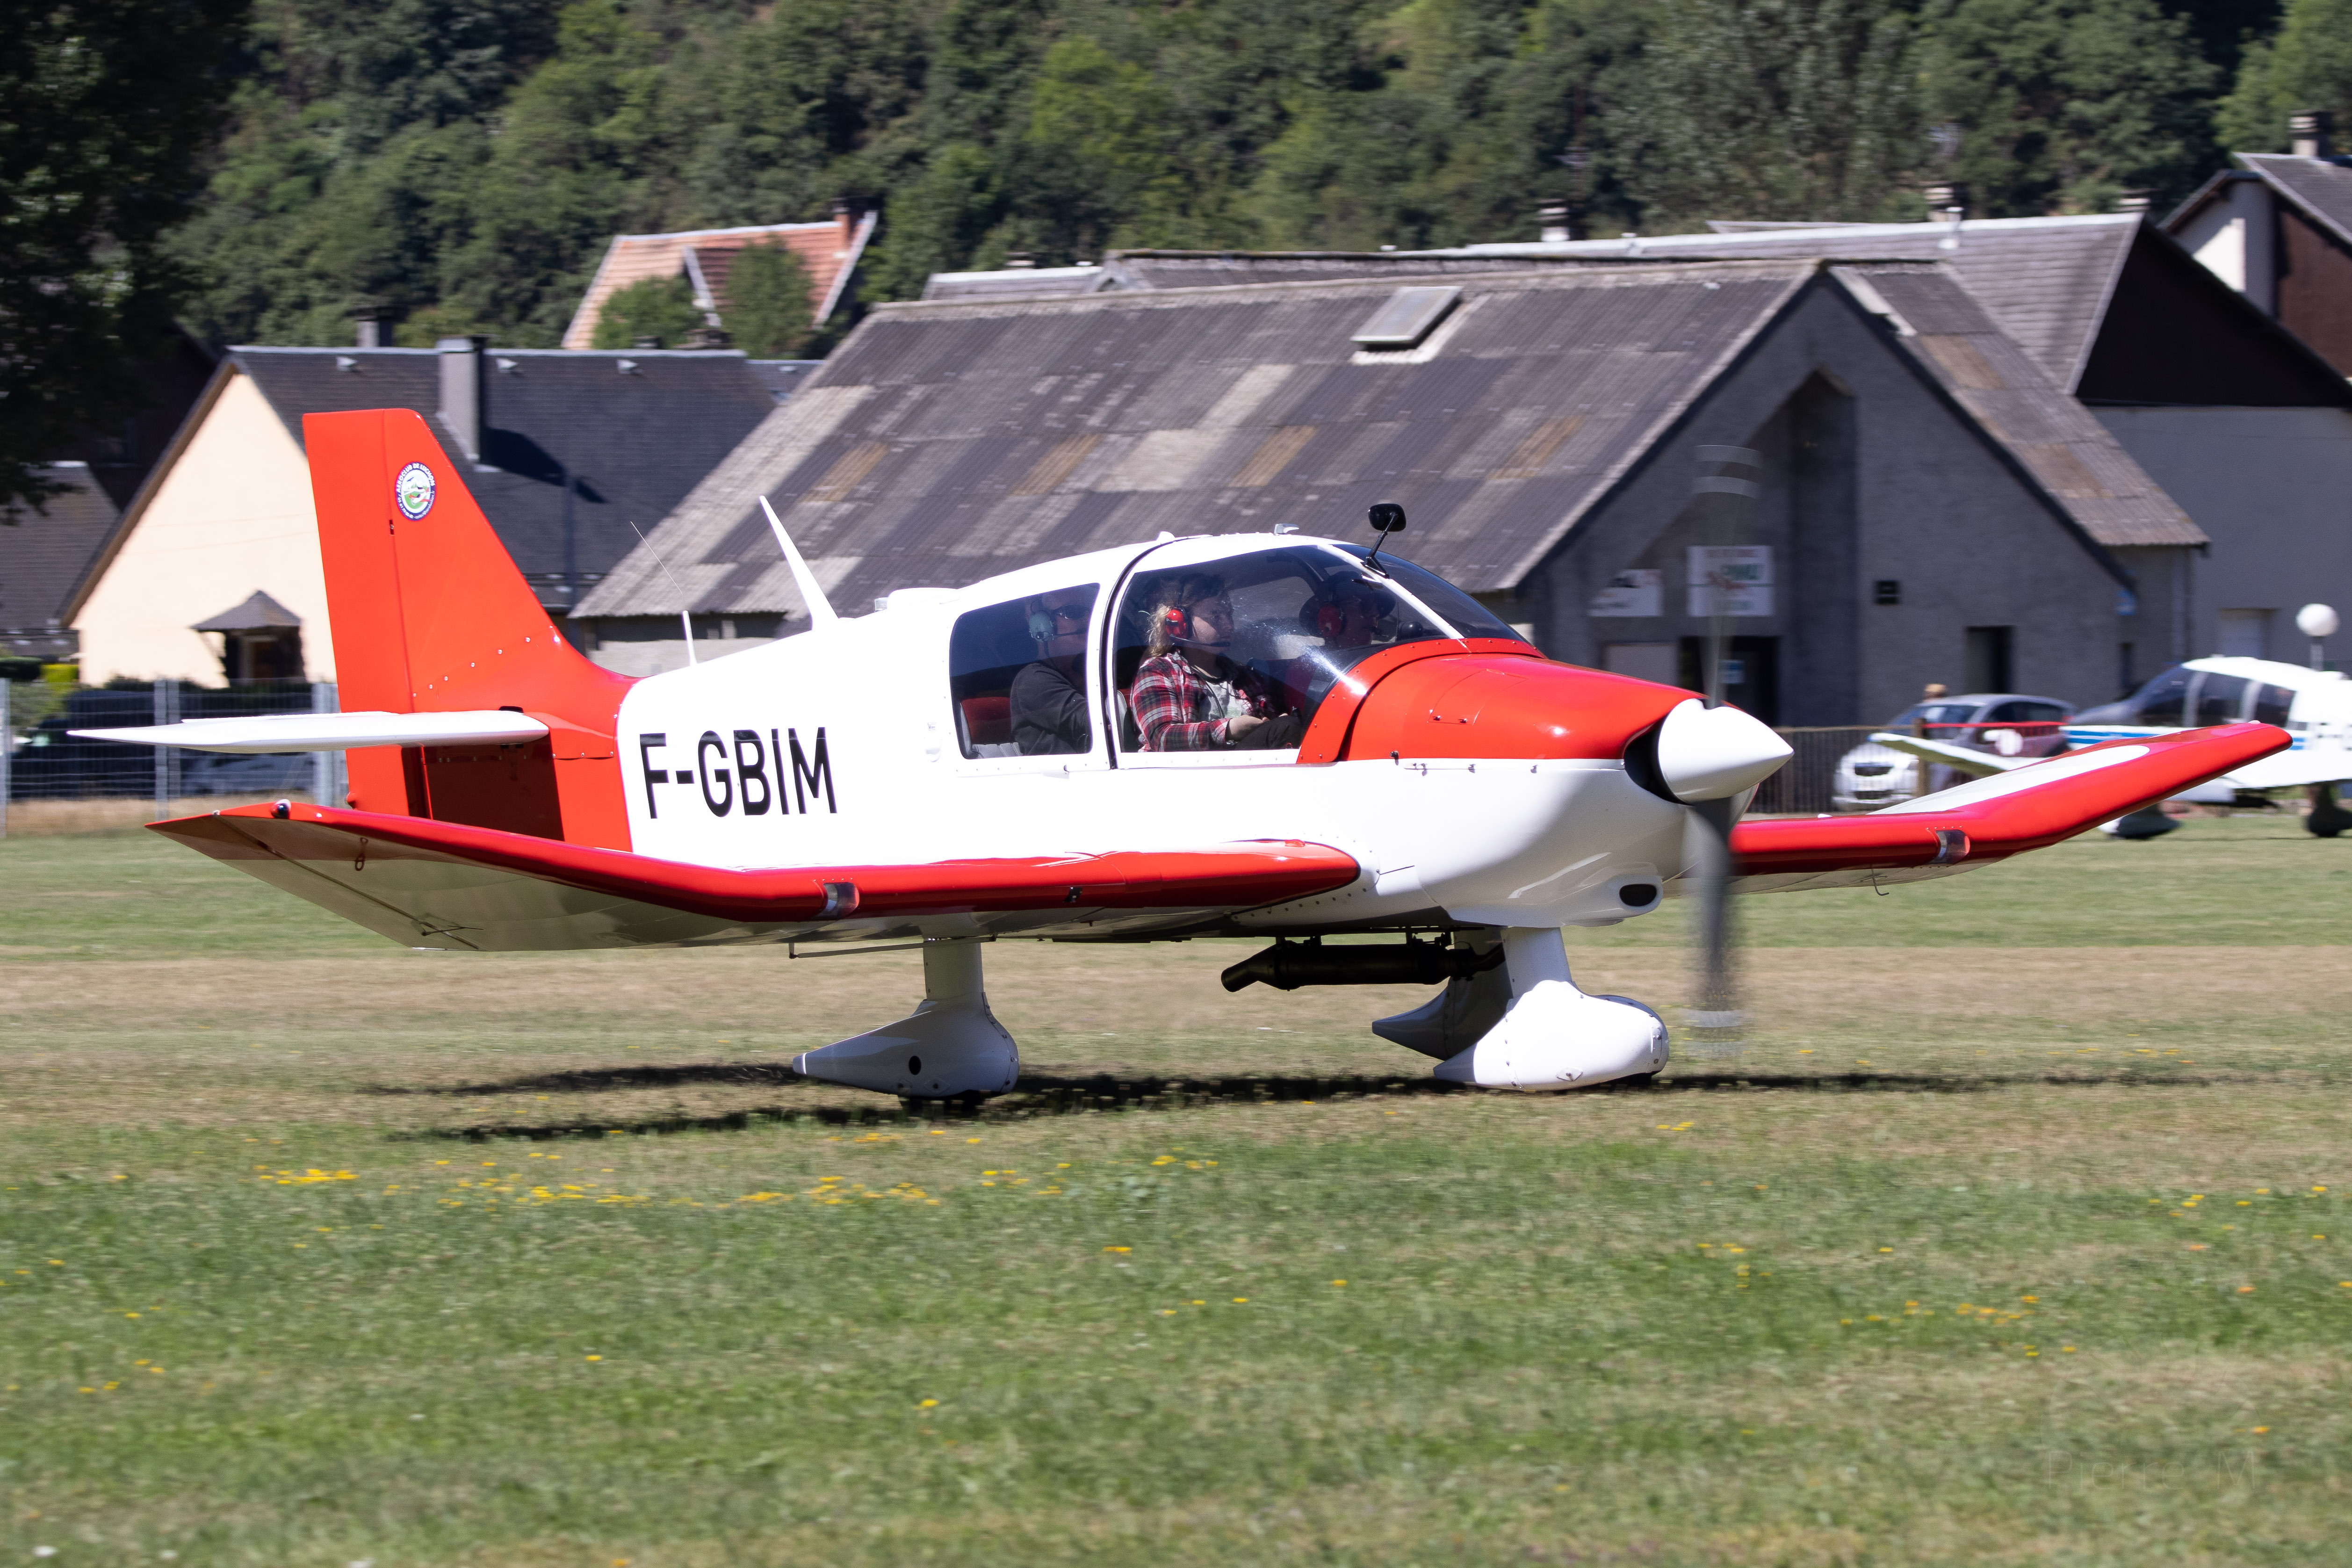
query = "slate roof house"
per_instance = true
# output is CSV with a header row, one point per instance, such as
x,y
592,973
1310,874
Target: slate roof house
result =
x,y
43,556
829,252
2240,417
2278,229
1930,494
565,452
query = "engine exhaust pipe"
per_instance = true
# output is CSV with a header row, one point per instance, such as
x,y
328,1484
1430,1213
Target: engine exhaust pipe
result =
x,y
1287,965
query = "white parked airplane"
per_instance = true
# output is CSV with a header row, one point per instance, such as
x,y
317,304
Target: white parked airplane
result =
x,y
2313,706
1262,735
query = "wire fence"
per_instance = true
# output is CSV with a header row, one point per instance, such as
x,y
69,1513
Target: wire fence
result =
x,y
51,778
1808,784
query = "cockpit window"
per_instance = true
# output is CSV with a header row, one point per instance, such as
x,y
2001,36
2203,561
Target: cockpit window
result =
x,y
2273,704
2219,697
1016,672
1466,616
2162,702
1237,654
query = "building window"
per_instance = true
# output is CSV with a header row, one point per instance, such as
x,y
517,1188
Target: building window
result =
x,y
1886,591
1989,661
2246,634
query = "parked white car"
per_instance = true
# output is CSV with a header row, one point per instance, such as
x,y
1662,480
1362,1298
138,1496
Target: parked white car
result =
x,y
2002,722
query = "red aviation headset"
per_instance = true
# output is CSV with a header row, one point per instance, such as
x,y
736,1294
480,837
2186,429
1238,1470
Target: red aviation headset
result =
x,y
1325,614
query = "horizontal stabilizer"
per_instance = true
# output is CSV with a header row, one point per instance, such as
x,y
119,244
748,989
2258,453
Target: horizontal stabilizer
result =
x,y
329,731
1990,819
425,883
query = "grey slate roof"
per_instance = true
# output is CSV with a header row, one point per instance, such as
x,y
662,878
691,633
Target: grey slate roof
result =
x,y
636,439
2320,186
2074,458
259,613
44,557
946,442
2045,279
1209,268
1015,282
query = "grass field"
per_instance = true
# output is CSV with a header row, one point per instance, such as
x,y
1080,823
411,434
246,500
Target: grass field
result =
x,y
2018,1234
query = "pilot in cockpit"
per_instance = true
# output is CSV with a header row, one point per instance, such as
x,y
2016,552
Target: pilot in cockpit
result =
x,y
1049,697
1188,695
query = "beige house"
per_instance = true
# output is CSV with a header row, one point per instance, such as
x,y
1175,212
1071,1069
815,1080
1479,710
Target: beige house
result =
x,y
226,514
213,571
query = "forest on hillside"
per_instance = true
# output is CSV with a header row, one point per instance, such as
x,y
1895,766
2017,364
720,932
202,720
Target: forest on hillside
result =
x,y
459,164
261,170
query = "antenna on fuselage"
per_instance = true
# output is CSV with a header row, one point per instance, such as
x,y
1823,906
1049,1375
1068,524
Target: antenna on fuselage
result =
x,y
820,608
685,616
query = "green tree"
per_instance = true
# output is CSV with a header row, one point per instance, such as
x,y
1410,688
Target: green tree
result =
x,y
105,106
2061,105
1775,108
769,302
2307,65
936,222
659,309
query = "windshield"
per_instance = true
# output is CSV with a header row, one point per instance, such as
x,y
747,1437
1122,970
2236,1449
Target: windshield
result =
x,y
1468,618
1934,714
1237,653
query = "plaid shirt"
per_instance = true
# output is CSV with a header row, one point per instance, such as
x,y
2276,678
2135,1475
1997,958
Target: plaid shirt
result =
x,y
1173,703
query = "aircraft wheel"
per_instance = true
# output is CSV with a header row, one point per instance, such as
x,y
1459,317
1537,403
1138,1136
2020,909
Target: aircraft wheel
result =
x,y
2326,819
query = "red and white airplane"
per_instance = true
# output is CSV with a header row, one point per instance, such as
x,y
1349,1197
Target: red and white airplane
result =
x,y
1242,735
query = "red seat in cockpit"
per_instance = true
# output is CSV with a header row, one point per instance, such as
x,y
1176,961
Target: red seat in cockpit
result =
x,y
988,720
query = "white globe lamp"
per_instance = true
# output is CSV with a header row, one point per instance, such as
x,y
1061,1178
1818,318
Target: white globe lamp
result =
x,y
2318,621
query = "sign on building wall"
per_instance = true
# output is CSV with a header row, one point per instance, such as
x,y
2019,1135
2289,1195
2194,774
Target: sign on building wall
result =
x,y
1638,592
1730,579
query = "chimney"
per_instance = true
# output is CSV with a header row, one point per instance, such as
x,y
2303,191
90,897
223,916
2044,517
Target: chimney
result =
x,y
2307,131
1555,224
461,392
1947,199
846,220
367,328
2134,201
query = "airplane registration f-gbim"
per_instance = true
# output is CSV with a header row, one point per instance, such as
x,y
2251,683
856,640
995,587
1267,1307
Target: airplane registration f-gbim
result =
x,y
1253,736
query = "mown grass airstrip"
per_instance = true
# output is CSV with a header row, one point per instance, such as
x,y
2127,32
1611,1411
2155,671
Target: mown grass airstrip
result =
x,y
2015,1236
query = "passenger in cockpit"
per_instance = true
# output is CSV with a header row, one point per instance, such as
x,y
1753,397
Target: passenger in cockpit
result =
x,y
1049,697
1346,613
1188,695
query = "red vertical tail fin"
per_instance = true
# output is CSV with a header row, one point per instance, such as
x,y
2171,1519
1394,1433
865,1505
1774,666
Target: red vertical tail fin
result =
x,y
431,616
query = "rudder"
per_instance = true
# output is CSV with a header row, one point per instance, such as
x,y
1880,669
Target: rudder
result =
x,y
430,615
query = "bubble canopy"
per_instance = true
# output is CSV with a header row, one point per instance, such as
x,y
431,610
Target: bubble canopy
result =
x,y
1283,623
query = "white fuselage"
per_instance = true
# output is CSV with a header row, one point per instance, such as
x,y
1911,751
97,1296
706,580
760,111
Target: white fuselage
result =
x,y
838,747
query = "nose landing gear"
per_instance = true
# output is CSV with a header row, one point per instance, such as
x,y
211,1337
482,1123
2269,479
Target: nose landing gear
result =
x,y
1526,1026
